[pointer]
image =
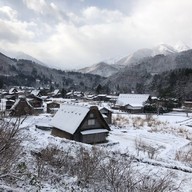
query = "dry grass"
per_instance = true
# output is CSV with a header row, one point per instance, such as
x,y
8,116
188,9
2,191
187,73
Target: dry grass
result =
x,y
184,155
146,148
152,124
120,121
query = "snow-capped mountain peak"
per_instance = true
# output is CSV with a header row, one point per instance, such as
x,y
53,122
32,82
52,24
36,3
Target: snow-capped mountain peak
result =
x,y
102,69
181,46
106,69
163,49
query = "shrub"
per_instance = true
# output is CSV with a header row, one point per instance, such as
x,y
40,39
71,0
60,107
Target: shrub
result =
x,y
184,155
142,146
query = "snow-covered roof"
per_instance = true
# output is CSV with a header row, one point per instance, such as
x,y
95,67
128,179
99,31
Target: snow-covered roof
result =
x,y
132,99
11,91
69,117
93,131
104,108
35,92
55,92
17,102
102,95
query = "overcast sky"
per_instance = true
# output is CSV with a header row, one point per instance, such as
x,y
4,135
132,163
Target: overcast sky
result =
x,y
71,34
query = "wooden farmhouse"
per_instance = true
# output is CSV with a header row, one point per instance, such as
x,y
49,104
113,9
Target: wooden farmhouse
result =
x,y
80,123
36,102
21,107
133,103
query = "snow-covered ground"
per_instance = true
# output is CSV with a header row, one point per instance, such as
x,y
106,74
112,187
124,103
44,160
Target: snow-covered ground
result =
x,y
152,140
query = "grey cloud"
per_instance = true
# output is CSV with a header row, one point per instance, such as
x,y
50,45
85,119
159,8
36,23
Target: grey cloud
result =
x,y
6,34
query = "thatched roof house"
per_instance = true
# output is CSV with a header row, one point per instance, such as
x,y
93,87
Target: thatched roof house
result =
x,y
21,107
80,123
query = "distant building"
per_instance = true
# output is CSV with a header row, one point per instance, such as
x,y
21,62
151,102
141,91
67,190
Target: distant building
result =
x,y
80,123
21,107
132,103
107,114
52,107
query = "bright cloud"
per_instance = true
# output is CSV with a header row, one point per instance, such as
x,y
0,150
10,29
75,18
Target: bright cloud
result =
x,y
71,35
8,13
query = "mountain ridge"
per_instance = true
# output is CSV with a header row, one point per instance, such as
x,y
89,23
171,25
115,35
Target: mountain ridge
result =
x,y
28,73
133,59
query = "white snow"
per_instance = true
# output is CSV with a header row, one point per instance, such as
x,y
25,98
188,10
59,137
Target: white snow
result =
x,y
181,46
135,100
140,54
169,133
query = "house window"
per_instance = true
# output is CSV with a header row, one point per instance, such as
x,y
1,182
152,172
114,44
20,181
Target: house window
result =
x,y
91,122
91,115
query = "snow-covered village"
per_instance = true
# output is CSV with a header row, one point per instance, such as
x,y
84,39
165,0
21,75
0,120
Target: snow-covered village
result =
x,y
95,96
93,142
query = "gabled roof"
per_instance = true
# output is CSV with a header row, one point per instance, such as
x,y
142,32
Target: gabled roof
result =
x,y
56,91
35,92
69,117
134,100
18,101
12,90
104,109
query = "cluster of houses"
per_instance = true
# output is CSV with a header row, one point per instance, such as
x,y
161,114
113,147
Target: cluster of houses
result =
x,y
18,102
80,121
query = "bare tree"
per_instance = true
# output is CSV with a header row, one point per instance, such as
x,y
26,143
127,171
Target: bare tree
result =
x,y
117,174
86,165
9,146
159,183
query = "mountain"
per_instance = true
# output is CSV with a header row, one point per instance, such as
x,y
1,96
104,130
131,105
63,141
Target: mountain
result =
x,y
29,73
22,55
102,69
162,49
135,57
176,83
6,65
106,70
140,77
180,46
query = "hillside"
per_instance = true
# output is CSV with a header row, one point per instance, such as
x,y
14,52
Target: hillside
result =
x,y
102,69
28,73
140,56
140,78
162,49
174,83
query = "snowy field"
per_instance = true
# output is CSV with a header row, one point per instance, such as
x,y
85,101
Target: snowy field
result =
x,y
158,143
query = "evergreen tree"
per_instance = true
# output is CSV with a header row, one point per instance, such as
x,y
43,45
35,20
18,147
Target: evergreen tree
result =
x,y
99,89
